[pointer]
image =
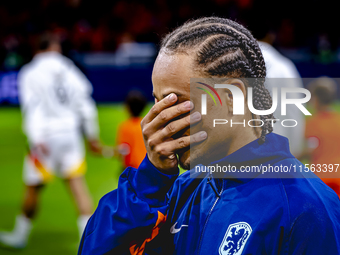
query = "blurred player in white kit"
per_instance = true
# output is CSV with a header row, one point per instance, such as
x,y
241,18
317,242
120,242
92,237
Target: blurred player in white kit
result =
x,y
282,73
57,109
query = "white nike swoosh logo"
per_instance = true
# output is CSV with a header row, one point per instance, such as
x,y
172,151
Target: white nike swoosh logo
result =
x,y
174,230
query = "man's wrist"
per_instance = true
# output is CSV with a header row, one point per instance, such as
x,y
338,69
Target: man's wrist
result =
x,y
173,171
151,184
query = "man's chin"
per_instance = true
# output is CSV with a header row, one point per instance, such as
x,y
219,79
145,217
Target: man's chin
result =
x,y
188,159
184,159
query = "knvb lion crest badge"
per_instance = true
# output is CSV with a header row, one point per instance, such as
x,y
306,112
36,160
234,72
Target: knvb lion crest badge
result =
x,y
235,239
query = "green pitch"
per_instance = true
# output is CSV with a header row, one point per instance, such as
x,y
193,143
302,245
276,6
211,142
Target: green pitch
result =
x,y
55,229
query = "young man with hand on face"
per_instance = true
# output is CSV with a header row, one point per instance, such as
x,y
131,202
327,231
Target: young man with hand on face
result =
x,y
153,211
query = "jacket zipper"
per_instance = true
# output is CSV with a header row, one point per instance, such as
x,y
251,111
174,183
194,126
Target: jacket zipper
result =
x,y
206,222
213,186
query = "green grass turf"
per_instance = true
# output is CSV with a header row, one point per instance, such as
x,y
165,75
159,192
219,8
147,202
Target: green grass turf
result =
x,y
55,229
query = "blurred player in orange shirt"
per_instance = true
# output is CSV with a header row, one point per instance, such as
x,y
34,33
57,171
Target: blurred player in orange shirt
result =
x,y
130,132
322,132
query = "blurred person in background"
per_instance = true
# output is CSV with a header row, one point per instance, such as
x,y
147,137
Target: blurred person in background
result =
x,y
56,105
130,137
322,130
282,73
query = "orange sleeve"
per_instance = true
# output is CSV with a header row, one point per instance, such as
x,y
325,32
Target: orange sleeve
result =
x,y
121,134
310,128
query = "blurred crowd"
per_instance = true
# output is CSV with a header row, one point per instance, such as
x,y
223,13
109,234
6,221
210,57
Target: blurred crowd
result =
x,y
97,26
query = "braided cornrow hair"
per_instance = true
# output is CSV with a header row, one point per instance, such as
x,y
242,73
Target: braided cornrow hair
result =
x,y
223,47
